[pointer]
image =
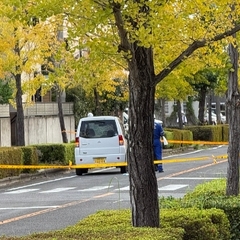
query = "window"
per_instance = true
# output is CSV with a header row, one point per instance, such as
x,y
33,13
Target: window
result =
x,y
98,129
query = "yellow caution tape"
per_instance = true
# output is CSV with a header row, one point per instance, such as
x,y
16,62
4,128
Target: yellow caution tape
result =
x,y
214,158
33,166
198,142
101,165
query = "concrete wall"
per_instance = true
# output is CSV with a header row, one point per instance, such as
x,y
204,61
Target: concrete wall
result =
x,y
5,132
39,128
5,126
46,129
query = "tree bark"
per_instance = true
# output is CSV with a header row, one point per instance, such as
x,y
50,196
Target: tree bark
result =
x,y
202,97
142,82
218,110
233,102
143,182
163,114
179,113
98,110
20,131
210,108
61,118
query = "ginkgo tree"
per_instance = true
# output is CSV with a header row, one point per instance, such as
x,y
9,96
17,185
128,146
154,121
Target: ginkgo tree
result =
x,y
154,38
192,82
24,44
100,76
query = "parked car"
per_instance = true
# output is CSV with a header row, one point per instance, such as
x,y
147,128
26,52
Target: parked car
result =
x,y
100,140
214,118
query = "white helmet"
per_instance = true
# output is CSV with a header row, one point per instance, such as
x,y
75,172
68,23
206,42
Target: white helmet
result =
x,y
90,114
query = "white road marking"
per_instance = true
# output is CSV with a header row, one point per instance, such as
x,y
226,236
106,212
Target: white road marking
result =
x,y
32,207
97,188
55,190
40,183
123,189
193,178
172,187
22,191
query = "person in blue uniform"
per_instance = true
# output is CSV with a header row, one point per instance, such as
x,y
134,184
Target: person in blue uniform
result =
x,y
157,145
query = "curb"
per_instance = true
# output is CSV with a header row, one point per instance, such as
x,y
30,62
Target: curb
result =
x,y
30,176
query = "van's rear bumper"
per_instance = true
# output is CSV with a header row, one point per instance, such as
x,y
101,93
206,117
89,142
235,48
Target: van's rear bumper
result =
x,y
100,165
112,160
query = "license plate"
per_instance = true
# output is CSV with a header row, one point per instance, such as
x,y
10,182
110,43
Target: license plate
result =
x,y
99,160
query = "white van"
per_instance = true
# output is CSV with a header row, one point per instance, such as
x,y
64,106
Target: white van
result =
x,y
100,142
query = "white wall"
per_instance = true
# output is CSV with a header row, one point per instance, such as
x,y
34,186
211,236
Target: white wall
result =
x,y
5,132
38,130
46,129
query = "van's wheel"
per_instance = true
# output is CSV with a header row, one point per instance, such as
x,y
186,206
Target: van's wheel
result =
x,y
80,171
123,169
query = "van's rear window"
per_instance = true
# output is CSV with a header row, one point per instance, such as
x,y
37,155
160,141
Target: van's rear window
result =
x,y
98,129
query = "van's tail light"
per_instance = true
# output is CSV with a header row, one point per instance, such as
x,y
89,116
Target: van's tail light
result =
x,y
121,141
77,142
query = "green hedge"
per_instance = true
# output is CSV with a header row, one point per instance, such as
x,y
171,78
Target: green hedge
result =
x,y
212,133
55,153
182,224
10,156
198,223
30,157
207,196
225,132
178,134
212,195
169,136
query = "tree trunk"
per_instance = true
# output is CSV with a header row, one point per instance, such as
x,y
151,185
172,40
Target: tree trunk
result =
x,y
202,97
233,103
218,110
143,182
190,114
20,137
61,118
98,110
210,108
163,114
179,113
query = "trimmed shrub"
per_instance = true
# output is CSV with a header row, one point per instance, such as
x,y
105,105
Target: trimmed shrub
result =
x,y
30,157
55,153
212,195
197,223
169,136
210,133
225,133
10,156
180,135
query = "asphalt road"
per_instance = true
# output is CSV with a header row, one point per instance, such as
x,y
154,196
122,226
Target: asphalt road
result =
x,y
56,201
